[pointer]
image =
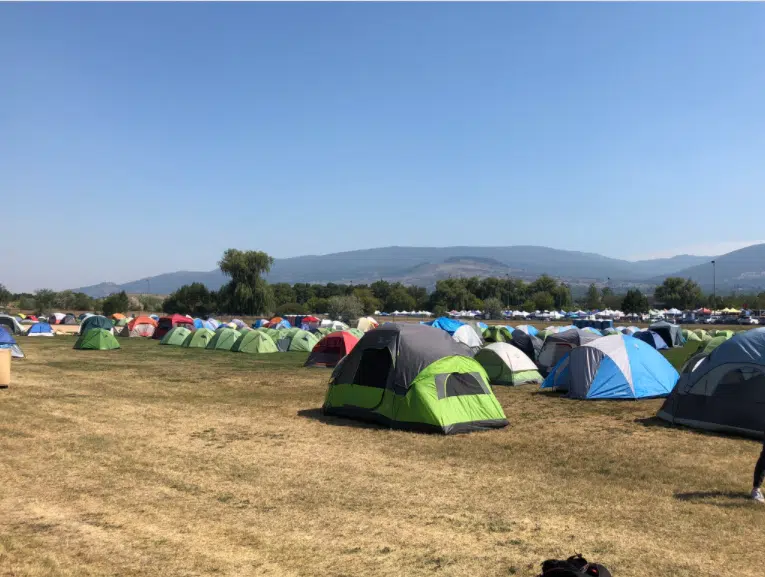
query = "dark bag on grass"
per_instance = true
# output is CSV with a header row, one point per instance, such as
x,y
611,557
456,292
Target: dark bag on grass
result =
x,y
574,566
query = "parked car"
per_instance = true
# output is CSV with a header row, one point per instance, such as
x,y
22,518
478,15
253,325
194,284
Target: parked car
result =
x,y
713,320
748,321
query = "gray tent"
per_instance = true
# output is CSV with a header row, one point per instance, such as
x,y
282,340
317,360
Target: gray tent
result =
x,y
11,324
672,334
724,390
529,345
559,345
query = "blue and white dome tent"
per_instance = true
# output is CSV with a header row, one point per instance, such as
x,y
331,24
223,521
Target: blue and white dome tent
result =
x,y
614,367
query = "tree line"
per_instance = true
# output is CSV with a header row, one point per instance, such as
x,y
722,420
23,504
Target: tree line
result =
x,y
248,293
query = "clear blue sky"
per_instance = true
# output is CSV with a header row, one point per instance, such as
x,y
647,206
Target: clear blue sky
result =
x,y
138,139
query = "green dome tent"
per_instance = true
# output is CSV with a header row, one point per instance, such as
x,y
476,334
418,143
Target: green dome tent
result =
x,y
497,334
690,336
414,377
175,336
714,343
254,342
724,333
96,322
302,342
198,339
358,333
97,340
223,340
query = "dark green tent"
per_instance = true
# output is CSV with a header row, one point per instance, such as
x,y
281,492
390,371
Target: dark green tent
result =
x,y
97,340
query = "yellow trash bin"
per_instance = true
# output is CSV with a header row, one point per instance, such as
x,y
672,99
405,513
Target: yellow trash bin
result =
x,y
5,367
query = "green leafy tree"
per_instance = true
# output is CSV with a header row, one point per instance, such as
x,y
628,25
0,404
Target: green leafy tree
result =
x,y
399,300
192,299
247,292
26,302
290,309
345,308
115,303
592,300
439,310
492,308
543,301
64,300
634,302
44,300
317,305
150,303
369,301
677,292
5,296
544,283
82,302
529,306
283,293
562,297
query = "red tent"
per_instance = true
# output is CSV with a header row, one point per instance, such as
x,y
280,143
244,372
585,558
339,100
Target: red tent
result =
x,y
166,324
329,350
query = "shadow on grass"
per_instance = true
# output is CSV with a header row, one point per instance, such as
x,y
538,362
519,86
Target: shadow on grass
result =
x,y
661,423
716,498
318,415
655,422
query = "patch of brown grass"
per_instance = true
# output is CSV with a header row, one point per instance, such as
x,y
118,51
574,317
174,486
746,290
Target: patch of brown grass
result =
x,y
157,460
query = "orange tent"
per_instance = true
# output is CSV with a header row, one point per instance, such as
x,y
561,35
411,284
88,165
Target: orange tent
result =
x,y
141,321
274,321
118,316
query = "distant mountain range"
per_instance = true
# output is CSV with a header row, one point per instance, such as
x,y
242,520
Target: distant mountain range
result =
x,y
425,266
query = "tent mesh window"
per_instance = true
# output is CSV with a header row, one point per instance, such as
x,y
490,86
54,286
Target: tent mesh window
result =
x,y
743,383
458,384
374,367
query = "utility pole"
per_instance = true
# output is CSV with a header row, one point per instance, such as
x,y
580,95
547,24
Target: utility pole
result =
x,y
714,286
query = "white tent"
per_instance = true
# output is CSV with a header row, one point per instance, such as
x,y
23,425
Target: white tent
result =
x,y
367,324
467,336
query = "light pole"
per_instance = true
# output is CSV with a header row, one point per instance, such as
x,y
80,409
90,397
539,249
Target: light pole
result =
x,y
714,286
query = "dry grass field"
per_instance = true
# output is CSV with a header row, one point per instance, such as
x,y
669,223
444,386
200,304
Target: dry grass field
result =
x,y
164,461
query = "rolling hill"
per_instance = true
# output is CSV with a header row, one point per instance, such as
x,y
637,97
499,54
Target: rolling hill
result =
x,y
424,266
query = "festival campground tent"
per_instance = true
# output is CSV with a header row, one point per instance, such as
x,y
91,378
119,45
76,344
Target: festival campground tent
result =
x,y
97,339
558,345
11,324
528,329
714,343
8,342
117,316
198,339
506,365
96,322
334,325
238,323
223,339
358,333
651,338
608,331
164,324
703,335
725,390
467,336
69,319
691,336
367,324
529,345
175,336
412,376
671,334
40,330
254,342
724,333
613,367
142,327
54,318
301,341
329,350
497,334
445,324
123,322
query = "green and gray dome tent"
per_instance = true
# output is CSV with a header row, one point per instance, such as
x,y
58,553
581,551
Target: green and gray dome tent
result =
x,y
714,343
506,365
497,334
691,336
672,334
97,340
415,377
96,322
724,333
175,336
198,339
301,342
358,333
223,339
254,342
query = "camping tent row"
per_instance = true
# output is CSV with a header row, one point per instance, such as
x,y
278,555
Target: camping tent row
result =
x,y
247,340
7,341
